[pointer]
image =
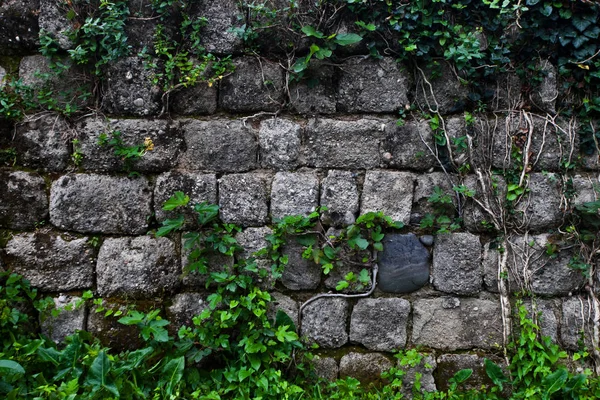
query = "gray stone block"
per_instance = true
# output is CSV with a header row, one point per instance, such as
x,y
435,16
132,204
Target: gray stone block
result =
x,y
196,279
380,324
139,267
109,331
340,196
219,145
326,368
450,364
324,322
425,187
279,144
53,21
285,304
370,85
99,203
184,307
198,99
543,313
586,187
443,93
218,36
492,196
40,143
403,264
294,193
67,322
23,199
315,93
541,207
333,143
577,324
161,155
456,264
507,92
52,262
405,146
450,323
426,369
19,31
199,187
128,89
544,96
244,199
253,86
390,192
253,240
299,273
141,25
366,367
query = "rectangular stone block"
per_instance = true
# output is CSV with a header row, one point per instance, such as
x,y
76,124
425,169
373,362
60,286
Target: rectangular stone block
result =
x,y
41,143
438,89
244,199
67,322
390,192
299,273
315,93
340,195
457,263
333,143
450,323
294,193
279,144
52,262
324,322
101,204
219,145
577,323
408,145
23,199
380,324
540,208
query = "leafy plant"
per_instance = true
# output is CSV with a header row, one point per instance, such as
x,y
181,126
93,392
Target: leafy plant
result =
x,y
128,154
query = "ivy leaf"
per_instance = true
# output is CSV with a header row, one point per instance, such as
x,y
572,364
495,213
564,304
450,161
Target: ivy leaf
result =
x,y
179,199
244,373
282,319
342,285
364,277
546,10
581,22
9,367
359,242
345,39
462,375
170,225
310,31
206,212
495,373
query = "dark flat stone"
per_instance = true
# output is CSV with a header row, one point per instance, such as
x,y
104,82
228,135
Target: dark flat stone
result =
x,y
403,264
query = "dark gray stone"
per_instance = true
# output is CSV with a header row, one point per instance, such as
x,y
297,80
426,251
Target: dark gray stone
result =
x,y
51,262
450,364
543,313
198,99
541,207
326,368
380,324
456,264
223,17
23,199
141,25
405,146
255,85
450,323
333,143
390,192
162,139
507,92
199,187
299,273
219,145
315,93
184,307
585,187
279,144
109,331
197,279
128,89
294,193
244,199
366,367
98,203
69,320
324,322
19,29
139,267
426,368
544,96
425,187
370,85
40,143
285,304
53,21
444,93
253,240
403,264
577,323
340,196
492,197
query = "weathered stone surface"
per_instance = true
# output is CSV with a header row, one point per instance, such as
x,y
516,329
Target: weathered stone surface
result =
x,y
294,193
492,196
450,323
355,267
366,367
507,92
543,313
198,99
370,85
315,93
426,369
67,322
161,155
576,322
19,28
426,185
51,262
128,89
324,322
2,76
541,206
138,267
253,240
450,364
326,368
23,199
279,144
199,187
456,264
585,187
110,332
333,143
390,192
403,264
340,196
380,324
184,307
299,273
197,279
40,143
544,96
405,146
253,86
218,35
219,145
99,203
244,199
531,268
53,21
444,93
285,304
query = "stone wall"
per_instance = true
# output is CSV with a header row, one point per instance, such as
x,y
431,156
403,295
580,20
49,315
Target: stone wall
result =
x,y
261,148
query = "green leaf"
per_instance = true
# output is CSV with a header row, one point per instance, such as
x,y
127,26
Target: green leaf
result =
x,y
306,240
179,199
345,39
133,317
581,22
170,225
462,375
575,383
555,381
172,373
282,319
98,376
9,367
244,373
206,212
359,242
312,32
495,373
364,277
300,65
342,285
